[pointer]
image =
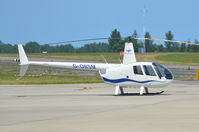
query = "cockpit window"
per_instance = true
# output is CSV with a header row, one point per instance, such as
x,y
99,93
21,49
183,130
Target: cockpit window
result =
x,y
162,71
149,70
137,70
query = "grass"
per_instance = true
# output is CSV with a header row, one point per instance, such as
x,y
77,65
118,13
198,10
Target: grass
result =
x,y
9,75
180,58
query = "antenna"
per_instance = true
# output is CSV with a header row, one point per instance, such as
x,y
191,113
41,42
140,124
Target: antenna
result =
x,y
120,60
104,59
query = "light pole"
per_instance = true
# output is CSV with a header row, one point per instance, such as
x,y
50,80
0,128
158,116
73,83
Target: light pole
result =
x,y
144,11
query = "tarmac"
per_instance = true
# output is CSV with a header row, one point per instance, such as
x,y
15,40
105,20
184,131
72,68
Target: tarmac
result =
x,y
94,108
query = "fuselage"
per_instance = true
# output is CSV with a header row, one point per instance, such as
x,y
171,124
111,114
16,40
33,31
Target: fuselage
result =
x,y
147,74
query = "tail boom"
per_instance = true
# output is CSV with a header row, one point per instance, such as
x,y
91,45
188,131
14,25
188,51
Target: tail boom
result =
x,y
74,65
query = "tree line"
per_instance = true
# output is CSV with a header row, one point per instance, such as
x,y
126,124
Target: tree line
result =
x,y
114,44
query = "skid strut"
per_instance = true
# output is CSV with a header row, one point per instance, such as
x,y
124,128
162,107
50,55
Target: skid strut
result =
x,y
142,89
119,90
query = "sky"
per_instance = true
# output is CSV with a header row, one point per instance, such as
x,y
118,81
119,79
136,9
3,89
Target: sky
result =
x,y
46,21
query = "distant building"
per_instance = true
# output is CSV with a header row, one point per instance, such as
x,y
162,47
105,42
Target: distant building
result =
x,y
44,52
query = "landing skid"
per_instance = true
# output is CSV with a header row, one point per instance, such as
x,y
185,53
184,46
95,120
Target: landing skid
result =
x,y
138,94
143,91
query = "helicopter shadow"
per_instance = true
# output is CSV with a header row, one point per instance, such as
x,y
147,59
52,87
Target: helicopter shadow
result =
x,y
92,95
145,94
129,94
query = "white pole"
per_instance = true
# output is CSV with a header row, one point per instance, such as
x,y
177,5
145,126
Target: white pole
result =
x,y
144,11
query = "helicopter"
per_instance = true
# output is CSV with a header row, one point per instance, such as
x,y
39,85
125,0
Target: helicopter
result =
x,y
129,73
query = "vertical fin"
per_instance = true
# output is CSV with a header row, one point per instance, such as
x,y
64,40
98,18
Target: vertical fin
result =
x,y
23,61
22,55
23,70
129,54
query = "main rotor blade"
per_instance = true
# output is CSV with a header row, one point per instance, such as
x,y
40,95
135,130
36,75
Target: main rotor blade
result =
x,y
173,41
73,41
123,38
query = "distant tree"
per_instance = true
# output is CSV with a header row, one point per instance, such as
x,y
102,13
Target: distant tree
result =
x,y
65,48
1,42
115,41
176,47
32,47
120,46
94,47
189,48
1,46
160,48
8,48
168,45
195,48
148,43
115,44
45,47
14,49
183,48
103,47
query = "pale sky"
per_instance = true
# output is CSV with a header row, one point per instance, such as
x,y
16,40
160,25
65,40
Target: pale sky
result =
x,y
60,20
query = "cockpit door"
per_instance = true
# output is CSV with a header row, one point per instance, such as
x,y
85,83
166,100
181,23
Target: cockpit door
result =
x,y
138,73
150,74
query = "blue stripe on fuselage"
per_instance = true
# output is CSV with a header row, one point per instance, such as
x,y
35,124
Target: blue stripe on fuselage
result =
x,y
125,80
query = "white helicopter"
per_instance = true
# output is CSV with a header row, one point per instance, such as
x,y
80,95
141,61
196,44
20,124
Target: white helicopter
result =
x,y
128,74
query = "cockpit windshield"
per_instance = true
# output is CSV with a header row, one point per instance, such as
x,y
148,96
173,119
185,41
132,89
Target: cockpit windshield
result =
x,y
162,71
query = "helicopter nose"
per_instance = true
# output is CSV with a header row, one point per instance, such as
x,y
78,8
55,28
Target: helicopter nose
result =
x,y
169,80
